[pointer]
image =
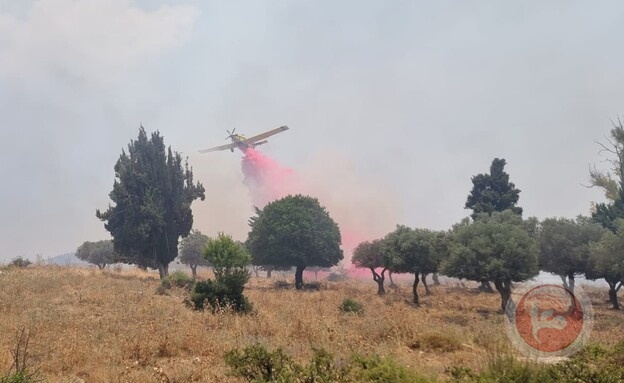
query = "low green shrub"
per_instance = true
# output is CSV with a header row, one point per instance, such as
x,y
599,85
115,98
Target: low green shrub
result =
x,y
350,305
181,279
226,292
257,364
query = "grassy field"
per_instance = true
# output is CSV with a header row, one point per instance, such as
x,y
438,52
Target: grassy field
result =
x,y
88,325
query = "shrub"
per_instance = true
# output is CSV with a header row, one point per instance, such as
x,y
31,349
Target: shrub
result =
x,y
20,262
375,369
178,279
256,364
350,305
224,292
21,370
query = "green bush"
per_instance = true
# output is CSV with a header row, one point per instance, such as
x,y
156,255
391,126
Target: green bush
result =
x,y
224,292
179,279
377,370
350,305
257,364
19,377
594,364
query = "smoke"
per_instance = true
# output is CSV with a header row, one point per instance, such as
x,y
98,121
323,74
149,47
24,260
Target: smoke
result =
x,y
266,179
363,209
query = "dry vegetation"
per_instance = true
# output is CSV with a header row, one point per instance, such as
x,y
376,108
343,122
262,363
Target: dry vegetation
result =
x,y
88,325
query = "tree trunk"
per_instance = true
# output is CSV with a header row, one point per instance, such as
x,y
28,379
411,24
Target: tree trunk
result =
x,y
101,266
269,270
504,288
571,283
415,289
486,287
299,277
380,281
436,279
424,281
391,281
194,271
613,290
163,270
316,275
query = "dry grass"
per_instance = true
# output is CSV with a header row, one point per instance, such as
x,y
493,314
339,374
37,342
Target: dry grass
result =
x,y
94,326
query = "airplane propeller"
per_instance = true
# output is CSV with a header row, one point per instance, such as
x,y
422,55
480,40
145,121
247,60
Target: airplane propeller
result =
x,y
230,133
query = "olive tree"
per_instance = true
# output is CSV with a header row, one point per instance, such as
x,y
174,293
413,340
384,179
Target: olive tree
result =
x,y
294,231
494,247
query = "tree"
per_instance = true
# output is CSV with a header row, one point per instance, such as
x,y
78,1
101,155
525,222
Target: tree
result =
x,y
100,253
493,192
152,193
369,255
496,248
607,261
612,181
294,231
564,246
414,251
490,193
229,260
192,251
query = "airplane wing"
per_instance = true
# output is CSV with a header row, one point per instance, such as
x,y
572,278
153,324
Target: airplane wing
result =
x,y
264,135
217,148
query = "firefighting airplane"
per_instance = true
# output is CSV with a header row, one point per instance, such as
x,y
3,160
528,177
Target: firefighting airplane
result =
x,y
243,143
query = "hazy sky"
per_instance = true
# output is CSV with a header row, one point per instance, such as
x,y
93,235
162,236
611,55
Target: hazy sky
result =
x,y
392,105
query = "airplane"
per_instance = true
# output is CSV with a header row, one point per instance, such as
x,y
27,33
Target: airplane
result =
x,y
241,142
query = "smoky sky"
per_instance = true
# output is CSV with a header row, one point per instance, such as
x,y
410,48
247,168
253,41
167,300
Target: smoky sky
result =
x,y
412,97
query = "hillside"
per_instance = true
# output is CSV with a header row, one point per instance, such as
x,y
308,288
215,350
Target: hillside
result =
x,y
88,325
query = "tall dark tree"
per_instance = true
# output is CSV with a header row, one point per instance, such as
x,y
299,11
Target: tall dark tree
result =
x,y
496,248
564,246
607,261
100,253
294,231
610,181
493,192
192,251
370,255
152,196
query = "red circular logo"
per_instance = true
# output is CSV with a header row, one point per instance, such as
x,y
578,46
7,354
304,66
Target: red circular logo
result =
x,y
549,320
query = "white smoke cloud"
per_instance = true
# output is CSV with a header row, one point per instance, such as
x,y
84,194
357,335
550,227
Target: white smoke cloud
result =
x,y
92,41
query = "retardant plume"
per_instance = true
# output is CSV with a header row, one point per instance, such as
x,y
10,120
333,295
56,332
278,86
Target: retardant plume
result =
x,y
364,210
266,179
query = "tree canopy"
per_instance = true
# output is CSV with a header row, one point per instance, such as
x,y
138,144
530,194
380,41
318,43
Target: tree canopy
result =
x,y
152,195
294,231
100,253
369,255
225,254
192,250
414,251
496,248
493,192
564,246
607,261
610,181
